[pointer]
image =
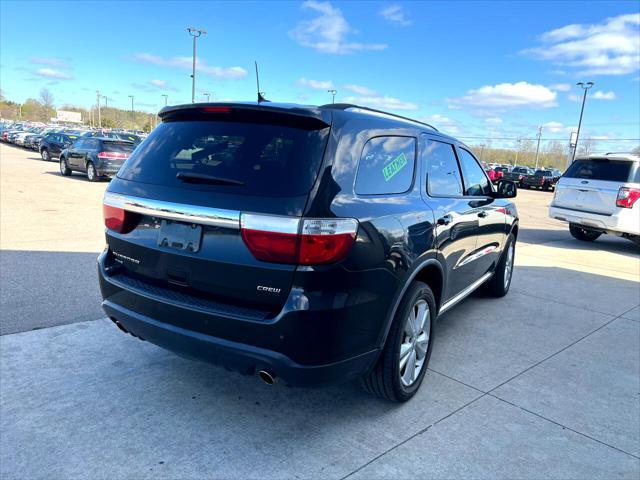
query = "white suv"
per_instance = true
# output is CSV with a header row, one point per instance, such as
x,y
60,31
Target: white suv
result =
x,y
600,194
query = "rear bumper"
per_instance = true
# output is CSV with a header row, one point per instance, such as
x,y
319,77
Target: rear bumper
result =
x,y
303,347
624,221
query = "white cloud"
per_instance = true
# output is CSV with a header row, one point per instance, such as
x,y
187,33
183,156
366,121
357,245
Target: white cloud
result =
x,y
360,90
315,84
493,120
600,95
51,61
504,95
396,15
383,102
158,83
51,73
233,73
608,48
153,86
329,31
561,87
553,127
574,97
439,119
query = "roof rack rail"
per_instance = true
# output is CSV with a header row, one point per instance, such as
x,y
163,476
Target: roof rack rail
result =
x,y
348,106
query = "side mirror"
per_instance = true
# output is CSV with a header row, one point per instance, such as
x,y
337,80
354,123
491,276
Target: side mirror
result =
x,y
506,189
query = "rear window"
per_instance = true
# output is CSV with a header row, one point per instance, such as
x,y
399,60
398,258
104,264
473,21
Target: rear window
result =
x,y
543,173
601,169
123,147
260,159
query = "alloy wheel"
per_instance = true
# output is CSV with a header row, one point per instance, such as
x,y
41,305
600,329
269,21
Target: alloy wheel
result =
x,y
415,342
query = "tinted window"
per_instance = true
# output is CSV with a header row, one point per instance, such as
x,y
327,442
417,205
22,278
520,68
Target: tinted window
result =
x,y
79,143
475,181
386,166
124,147
443,174
91,144
269,159
600,169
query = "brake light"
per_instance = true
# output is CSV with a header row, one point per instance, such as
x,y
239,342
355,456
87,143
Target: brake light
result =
x,y
113,155
118,219
304,242
216,109
627,197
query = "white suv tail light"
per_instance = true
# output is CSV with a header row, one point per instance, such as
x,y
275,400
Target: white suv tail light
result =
x,y
627,197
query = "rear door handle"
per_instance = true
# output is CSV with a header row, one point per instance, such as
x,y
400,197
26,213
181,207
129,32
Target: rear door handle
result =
x,y
483,214
445,220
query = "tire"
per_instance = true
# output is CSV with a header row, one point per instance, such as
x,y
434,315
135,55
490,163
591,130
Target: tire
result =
x,y
45,155
583,234
388,379
92,174
64,168
500,283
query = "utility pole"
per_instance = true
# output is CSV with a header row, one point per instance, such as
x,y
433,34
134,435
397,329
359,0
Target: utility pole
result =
x,y
106,101
165,98
133,120
207,95
481,152
538,146
195,33
333,92
98,101
585,87
515,164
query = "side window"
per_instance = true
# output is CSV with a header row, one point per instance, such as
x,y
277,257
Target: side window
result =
x,y
443,174
386,166
90,144
79,144
475,181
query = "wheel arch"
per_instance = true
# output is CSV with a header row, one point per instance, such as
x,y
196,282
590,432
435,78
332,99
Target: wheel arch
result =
x,y
429,271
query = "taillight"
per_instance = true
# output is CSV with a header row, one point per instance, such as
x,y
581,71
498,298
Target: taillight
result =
x,y
118,219
113,155
313,241
627,197
216,109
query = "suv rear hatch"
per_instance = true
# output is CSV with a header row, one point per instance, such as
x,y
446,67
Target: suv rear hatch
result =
x,y
184,188
591,185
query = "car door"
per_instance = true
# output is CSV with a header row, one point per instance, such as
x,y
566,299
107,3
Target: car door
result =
x,y
74,154
490,213
55,145
456,220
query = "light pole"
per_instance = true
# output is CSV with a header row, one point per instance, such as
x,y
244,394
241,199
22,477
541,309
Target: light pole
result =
x,y
585,87
481,151
538,146
195,33
98,102
333,92
106,100
165,98
132,114
207,95
515,164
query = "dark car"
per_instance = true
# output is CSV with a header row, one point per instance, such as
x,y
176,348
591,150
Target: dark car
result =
x,y
315,244
95,156
52,144
517,174
543,179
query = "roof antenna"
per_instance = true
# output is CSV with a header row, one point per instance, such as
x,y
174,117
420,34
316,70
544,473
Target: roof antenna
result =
x,y
260,94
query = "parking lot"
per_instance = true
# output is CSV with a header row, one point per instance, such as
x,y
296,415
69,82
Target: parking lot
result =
x,y
542,383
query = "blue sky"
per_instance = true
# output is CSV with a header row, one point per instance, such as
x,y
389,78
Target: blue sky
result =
x,y
473,69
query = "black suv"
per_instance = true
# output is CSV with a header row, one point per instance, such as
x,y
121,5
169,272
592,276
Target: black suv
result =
x,y
316,244
52,144
96,157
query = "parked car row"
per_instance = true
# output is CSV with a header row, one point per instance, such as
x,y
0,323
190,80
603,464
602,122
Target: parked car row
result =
x,y
524,177
98,153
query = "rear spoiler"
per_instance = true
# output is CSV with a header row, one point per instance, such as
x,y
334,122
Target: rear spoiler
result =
x,y
311,118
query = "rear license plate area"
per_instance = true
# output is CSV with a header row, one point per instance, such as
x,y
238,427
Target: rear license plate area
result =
x,y
180,236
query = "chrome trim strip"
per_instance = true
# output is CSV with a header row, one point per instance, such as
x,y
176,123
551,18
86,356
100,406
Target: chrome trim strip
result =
x,y
215,217
477,255
464,293
270,223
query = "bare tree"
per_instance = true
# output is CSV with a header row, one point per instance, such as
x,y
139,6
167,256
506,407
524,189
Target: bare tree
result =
x,y
46,100
586,146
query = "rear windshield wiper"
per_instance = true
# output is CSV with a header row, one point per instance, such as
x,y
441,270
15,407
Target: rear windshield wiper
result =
x,y
191,177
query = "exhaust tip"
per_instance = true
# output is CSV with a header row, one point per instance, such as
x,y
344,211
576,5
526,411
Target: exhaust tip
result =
x,y
267,377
